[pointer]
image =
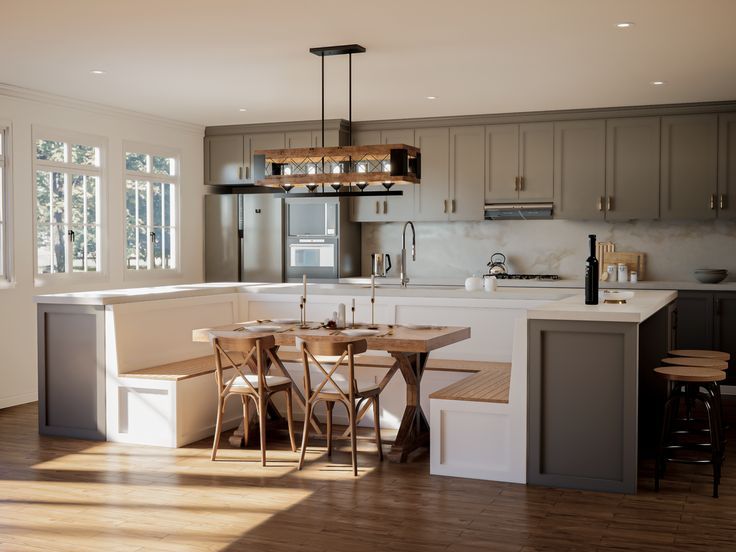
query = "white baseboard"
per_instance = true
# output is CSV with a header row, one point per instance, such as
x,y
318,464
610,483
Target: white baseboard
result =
x,y
15,400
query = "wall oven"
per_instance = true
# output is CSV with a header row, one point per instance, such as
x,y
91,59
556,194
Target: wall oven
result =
x,y
321,242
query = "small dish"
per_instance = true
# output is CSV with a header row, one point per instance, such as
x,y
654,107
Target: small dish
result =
x,y
419,326
359,332
615,297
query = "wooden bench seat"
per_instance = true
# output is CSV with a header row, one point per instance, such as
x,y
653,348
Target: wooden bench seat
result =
x,y
491,385
194,367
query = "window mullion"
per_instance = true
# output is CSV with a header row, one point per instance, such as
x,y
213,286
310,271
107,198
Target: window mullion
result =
x,y
149,221
68,244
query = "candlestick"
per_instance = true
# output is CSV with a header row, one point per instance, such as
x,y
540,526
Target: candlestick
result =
x,y
352,308
304,284
301,311
373,286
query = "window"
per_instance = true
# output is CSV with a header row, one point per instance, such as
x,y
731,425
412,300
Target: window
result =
x,y
68,179
4,240
151,188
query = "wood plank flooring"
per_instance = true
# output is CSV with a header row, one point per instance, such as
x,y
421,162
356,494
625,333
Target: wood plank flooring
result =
x,y
64,494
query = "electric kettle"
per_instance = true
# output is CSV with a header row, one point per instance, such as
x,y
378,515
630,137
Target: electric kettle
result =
x,y
380,264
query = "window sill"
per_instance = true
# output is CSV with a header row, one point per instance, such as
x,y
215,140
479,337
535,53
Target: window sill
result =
x,y
66,279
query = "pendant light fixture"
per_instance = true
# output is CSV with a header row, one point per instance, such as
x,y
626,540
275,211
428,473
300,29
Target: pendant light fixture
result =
x,y
340,167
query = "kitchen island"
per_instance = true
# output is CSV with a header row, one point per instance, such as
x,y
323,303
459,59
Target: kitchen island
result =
x,y
93,347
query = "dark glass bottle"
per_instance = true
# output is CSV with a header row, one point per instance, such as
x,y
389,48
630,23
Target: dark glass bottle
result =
x,y
591,275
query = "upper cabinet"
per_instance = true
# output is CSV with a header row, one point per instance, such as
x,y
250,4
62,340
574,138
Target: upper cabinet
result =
x,y
580,169
224,160
467,172
689,167
229,159
632,169
384,208
519,162
727,166
430,201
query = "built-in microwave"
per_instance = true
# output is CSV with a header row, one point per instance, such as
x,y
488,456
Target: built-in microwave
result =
x,y
315,257
312,217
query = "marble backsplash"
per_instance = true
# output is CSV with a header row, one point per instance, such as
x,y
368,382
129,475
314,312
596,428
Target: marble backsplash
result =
x,y
458,249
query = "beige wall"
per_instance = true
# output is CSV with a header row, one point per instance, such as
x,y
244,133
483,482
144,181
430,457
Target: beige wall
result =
x,y
457,249
18,378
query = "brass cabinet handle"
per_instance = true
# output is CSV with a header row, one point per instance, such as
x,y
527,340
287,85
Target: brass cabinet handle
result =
x,y
521,183
240,173
722,201
600,203
712,201
378,208
385,206
444,207
609,203
452,205
516,184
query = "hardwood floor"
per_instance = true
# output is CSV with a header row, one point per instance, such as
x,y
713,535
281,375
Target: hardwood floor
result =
x,y
64,494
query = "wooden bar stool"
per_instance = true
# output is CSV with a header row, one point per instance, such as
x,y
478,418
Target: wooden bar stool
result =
x,y
330,391
686,382
258,386
700,353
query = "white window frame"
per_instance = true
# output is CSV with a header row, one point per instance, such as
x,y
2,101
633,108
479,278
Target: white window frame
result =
x,y
6,197
160,151
72,137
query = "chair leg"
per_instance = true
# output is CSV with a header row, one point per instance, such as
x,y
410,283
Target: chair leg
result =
x,y
246,419
330,405
377,424
305,433
218,426
290,418
262,404
353,438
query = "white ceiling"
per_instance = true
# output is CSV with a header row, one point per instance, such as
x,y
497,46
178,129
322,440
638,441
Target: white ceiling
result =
x,y
201,60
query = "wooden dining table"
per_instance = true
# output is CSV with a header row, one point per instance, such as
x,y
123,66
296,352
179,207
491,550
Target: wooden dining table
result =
x,y
410,347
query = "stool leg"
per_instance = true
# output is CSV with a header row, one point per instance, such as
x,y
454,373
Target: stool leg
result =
x,y
666,423
714,442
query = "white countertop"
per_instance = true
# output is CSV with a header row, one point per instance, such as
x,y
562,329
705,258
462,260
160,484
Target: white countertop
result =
x,y
637,309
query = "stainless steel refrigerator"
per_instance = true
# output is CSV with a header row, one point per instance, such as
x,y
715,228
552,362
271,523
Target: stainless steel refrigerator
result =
x,y
244,238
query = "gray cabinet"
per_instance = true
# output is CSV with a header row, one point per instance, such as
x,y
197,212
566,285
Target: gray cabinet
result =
x,y
430,199
727,166
725,330
519,162
298,139
580,169
689,159
467,172
384,208
270,140
632,168
229,159
224,160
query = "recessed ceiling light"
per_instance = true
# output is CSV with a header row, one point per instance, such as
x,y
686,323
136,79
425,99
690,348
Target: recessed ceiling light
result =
x,y
242,109
431,97
624,25
657,83
97,72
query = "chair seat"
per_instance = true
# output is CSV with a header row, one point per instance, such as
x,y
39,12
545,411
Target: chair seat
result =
x,y
271,381
363,388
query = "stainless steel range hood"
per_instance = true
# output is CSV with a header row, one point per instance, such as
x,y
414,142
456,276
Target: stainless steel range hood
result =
x,y
518,211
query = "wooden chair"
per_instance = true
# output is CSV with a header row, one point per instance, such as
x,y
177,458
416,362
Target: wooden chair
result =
x,y
327,389
259,387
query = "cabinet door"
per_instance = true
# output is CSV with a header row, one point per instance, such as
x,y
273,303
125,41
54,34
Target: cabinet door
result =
x,y
580,169
431,201
536,161
725,330
299,139
727,166
689,167
369,208
332,138
467,172
632,168
502,163
224,160
694,320
400,208
271,140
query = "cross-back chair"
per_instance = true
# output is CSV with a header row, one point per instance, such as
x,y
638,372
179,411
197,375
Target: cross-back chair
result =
x,y
328,389
248,354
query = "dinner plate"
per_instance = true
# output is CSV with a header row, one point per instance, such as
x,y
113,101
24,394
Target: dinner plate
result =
x,y
285,321
262,329
360,333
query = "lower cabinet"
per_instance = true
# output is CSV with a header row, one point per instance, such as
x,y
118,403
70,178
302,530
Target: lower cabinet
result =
x,y
707,320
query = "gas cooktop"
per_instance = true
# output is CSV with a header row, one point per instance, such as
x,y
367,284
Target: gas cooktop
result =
x,y
525,276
